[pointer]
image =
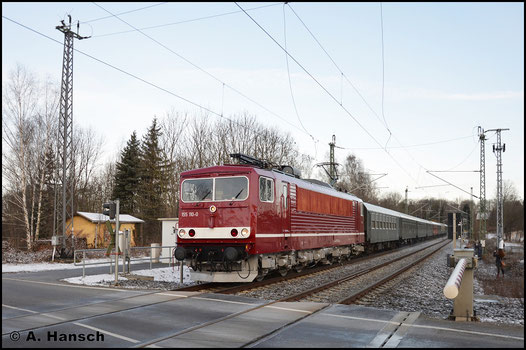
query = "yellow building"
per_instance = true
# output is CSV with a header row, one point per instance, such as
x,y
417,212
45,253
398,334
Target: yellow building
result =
x,y
92,226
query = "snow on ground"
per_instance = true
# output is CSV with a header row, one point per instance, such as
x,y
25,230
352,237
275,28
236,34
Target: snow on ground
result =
x,y
95,280
170,275
55,266
166,274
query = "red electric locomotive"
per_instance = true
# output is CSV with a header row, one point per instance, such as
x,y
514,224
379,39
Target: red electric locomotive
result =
x,y
239,222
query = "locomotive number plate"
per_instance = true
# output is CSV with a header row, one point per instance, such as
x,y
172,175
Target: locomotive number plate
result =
x,y
185,214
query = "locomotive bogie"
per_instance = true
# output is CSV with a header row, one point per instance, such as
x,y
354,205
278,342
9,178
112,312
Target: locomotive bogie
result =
x,y
242,271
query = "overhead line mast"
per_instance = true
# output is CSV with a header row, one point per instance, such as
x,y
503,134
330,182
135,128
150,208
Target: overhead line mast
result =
x,y
65,168
498,148
482,203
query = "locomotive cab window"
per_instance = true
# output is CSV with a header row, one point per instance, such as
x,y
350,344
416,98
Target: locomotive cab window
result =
x,y
196,190
266,189
231,188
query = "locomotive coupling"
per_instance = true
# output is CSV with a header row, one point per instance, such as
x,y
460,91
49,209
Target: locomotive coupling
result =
x,y
180,253
231,254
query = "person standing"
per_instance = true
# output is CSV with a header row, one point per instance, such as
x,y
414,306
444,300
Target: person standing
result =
x,y
499,255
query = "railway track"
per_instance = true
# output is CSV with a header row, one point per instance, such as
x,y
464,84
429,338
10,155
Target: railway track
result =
x,y
232,288
297,278
344,291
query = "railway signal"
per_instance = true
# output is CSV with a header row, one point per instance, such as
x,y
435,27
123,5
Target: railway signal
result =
x,y
109,209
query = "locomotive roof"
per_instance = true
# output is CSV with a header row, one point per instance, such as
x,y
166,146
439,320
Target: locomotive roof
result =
x,y
324,189
381,210
231,169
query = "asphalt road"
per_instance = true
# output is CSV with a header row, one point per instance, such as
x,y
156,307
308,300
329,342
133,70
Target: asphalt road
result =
x,y
40,311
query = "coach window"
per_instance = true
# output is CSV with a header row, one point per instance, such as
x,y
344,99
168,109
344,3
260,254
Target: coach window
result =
x,y
266,189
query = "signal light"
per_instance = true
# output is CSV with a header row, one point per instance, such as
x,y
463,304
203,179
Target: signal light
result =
x,y
109,209
233,232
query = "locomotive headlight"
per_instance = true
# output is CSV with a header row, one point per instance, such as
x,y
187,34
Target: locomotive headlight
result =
x,y
245,233
213,209
181,233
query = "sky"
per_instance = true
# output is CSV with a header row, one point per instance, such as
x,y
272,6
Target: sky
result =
x,y
406,108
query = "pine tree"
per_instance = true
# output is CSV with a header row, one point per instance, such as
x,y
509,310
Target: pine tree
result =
x,y
152,186
127,176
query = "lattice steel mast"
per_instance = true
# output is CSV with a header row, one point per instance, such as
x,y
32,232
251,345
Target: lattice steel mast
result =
x,y
65,167
498,149
332,166
482,203
332,171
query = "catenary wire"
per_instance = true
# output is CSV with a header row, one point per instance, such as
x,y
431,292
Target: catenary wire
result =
x,y
385,149
383,73
290,82
325,89
357,91
410,146
199,68
123,13
185,21
139,78
336,65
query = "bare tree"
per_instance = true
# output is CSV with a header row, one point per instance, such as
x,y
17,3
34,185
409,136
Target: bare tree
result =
x,y
355,180
87,147
392,200
174,126
47,121
26,131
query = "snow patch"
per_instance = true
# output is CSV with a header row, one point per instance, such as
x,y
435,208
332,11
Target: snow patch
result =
x,y
95,280
57,266
162,274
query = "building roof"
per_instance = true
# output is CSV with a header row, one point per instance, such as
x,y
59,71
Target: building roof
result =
x,y
98,217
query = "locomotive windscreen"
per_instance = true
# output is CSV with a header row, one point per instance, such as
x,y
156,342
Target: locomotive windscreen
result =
x,y
215,189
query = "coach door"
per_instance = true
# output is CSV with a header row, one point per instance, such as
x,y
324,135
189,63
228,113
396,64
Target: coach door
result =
x,y
285,213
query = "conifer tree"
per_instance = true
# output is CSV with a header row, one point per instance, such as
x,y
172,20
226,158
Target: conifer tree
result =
x,y
152,186
127,176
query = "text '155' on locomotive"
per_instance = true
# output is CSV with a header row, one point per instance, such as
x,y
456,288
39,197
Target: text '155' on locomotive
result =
x,y
239,222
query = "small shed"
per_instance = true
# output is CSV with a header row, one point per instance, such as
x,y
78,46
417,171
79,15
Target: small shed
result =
x,y
169,234
92,226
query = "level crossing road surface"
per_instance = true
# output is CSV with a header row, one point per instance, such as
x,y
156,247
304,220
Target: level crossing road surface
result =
x,y
40,311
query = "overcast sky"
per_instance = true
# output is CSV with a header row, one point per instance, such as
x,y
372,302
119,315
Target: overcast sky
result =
x,y
447,69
